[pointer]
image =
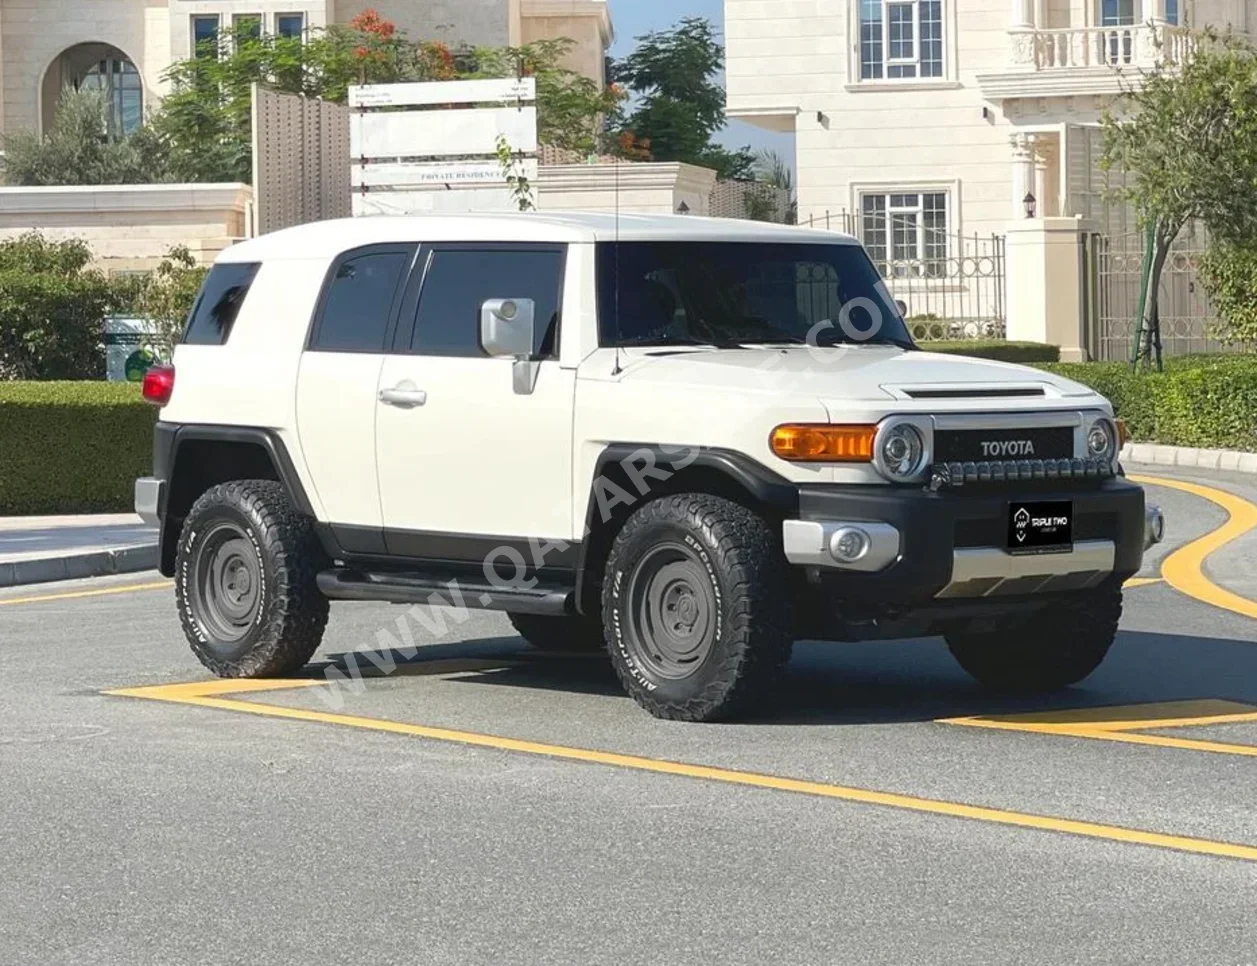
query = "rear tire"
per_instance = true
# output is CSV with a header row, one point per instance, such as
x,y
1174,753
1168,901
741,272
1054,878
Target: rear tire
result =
x,y
1047,650
696,607
573,634
245,572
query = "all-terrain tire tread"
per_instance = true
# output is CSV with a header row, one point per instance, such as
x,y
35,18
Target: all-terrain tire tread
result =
x,y
295,612
758,627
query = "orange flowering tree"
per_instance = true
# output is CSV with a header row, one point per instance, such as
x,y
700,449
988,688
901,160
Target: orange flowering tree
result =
x,y
204,127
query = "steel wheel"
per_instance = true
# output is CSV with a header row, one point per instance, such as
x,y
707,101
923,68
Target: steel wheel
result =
x,y
673,613
228,584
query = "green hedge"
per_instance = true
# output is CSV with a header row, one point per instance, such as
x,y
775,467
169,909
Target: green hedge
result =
x,y
1205,401
1022,352
72,447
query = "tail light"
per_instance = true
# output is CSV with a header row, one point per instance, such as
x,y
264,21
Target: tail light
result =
x,y
159,385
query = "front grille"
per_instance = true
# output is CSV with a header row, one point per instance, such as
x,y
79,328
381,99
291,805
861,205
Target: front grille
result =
x,y
1007,471
988,445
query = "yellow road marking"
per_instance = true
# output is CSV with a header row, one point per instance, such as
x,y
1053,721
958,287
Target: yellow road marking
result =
x,y
1184,568
1125,722
1141,582
74,594
210,695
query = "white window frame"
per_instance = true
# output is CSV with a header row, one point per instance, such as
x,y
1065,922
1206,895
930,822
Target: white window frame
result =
x,y
948,76
305,21
950,190
192,21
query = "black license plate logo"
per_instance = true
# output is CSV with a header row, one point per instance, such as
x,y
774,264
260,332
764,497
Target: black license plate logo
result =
x,y
1041,527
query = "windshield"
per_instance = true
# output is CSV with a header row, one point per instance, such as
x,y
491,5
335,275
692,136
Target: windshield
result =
x,y
730,294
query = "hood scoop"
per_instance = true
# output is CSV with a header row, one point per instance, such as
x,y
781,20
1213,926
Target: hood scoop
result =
x,y
972,392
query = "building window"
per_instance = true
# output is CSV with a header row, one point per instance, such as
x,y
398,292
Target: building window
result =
x,y
205,35
906,232
290,24
1119,43
247,26
119,83
901,39
1171,12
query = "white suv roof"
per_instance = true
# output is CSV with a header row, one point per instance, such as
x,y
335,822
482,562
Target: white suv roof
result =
x,y
326,239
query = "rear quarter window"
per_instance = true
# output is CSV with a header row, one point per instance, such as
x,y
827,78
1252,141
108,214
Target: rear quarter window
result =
x,y
219,302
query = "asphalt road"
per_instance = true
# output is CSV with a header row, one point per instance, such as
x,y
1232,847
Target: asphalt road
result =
x,y
487,804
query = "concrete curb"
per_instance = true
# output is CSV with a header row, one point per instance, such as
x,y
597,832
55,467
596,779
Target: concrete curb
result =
x,y
1230,461
97,563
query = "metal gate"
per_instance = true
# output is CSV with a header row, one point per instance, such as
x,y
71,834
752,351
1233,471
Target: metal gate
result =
x,y
1113,275
955,289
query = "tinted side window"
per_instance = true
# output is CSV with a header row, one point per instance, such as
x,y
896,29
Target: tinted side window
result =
x,y
459,281
358,302
219,302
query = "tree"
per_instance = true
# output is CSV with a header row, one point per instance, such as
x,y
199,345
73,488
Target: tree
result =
x,y
78,150
1184,140
205,123
166,296
52,309
772,169
681,103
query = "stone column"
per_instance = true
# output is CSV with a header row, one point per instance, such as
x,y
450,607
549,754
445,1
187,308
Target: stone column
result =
x,y
1021,30
1043,275
1023,172
1039,163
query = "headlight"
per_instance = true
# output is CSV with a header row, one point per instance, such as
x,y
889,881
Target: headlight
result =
x,y
900,452
1102,440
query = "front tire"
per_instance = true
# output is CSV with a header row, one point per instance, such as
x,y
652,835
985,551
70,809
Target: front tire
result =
x,y
1047,650
245,574
696,606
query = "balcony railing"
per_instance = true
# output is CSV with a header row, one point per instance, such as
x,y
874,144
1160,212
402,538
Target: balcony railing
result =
x,y
1075,48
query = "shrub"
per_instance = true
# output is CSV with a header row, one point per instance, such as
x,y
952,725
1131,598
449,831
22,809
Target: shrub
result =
x,y
79,150
52,309
998,349
1204,401
72,447
1229,275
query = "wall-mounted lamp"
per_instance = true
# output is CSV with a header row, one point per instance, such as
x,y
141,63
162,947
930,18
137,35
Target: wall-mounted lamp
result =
x,y
683,209
1030,203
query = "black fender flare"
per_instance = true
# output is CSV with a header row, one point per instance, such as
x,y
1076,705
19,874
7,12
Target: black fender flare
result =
x,y
764,487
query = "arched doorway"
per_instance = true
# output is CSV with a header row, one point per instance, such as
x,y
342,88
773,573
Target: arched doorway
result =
x,y
101,67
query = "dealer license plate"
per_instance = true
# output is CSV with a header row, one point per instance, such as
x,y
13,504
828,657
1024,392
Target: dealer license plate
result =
x,y
1046,527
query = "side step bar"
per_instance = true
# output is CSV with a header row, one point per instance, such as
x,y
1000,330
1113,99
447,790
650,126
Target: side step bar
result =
x,y
348,584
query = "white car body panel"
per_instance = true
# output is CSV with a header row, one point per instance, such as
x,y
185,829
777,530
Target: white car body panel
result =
x,y
480,459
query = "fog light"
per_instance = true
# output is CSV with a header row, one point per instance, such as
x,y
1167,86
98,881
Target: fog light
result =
x,y
849,544
1154,527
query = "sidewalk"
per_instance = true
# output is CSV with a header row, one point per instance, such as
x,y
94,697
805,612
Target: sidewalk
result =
x,y
40,549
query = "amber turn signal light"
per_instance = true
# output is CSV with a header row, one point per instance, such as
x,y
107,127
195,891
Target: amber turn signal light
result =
x,y
820,443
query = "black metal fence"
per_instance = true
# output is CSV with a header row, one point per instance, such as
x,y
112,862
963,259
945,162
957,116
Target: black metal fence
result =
x,y
1113,272
951,286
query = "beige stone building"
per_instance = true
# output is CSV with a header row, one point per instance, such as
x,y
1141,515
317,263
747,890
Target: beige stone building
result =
x,y
125,46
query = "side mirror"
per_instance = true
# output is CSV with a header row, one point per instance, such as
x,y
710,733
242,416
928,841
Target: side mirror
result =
x,y
507,327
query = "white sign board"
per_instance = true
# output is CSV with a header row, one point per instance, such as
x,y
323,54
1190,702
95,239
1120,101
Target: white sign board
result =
x,y
442,155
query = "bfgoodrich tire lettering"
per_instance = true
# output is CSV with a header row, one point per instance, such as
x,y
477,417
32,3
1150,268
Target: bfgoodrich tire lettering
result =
x,y
1047,650
245,581
695,606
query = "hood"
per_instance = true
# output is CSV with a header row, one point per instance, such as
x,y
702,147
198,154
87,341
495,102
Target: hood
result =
x,y
877,374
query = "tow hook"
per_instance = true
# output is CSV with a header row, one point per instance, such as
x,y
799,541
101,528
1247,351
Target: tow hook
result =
x,y
1154,526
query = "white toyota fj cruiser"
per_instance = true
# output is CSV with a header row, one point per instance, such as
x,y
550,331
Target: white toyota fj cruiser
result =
x,y
688,441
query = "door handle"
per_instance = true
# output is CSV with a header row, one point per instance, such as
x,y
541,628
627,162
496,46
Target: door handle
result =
x,y
403,397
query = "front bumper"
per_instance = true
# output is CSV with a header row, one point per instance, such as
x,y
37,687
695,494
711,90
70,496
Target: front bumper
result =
x,y
927,546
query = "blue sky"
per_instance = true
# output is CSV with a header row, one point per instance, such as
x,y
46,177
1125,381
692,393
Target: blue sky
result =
x,y
636,17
